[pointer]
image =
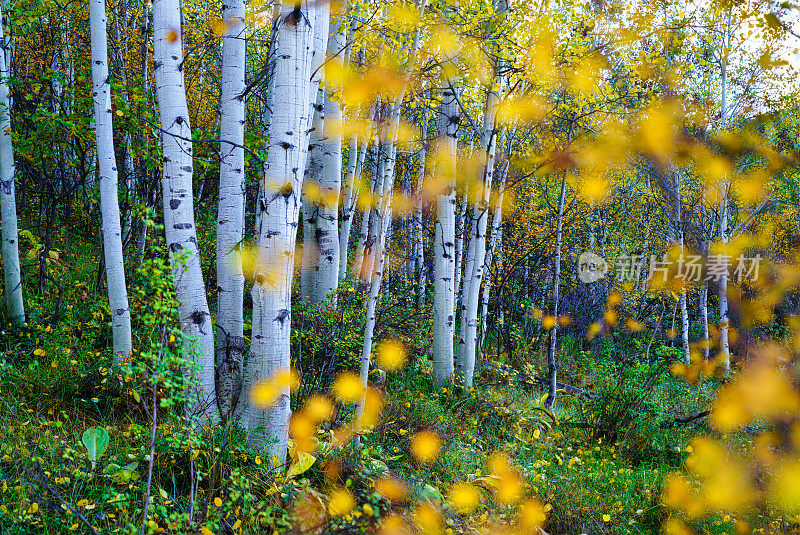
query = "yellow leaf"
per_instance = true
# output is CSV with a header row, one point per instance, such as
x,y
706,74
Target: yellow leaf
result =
x,y
348,387
425,446
464,497
341,502
265,393
392,355
303,463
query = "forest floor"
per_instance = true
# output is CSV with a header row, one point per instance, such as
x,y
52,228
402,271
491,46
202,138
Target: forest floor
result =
x,y
586,484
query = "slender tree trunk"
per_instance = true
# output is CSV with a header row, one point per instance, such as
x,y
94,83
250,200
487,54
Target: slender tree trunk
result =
x,y
179,222
230,210
461,233
350,196
444,241
477,246
419,231
109,203
279,206
375,186
678,229
551,353
384,211
724,318
704,287
492,250
15,305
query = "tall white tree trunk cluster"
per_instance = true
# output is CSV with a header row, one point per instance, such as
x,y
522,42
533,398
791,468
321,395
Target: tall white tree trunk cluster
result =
x,y
230,210
109,202
471,284
179,220
15,306
279,207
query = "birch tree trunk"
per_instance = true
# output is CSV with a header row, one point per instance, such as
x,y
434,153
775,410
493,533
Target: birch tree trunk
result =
x,y
375,186
15,305
704,285
477,246
230,210
444,241
551,353
461,230
679,241
349,198
309,199
491,251
419,231
385,214
179,222
279,207
109,203
724,319
326,280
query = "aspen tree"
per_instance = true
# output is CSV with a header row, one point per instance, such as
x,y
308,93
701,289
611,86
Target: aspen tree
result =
x,y
230,210
109,203
279,206
179,221
8,204
444,238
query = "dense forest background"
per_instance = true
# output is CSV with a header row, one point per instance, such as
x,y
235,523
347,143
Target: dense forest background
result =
x,y
411,266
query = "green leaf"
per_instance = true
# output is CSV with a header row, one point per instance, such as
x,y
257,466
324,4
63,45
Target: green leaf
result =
x,y
96,441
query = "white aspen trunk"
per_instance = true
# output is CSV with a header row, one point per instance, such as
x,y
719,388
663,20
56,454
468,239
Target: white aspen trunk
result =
x,y
444,246
362,266
109,203
179,222
679,240
15,306
376,278
230,210
419,231
129,176
326,280
280,206
551,353
724,318
349,198
461,232
270,98
491,250
704,285
374,188
308,214
470,292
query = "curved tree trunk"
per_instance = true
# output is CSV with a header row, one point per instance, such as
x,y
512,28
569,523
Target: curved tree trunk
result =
x,y
230,210
179,222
